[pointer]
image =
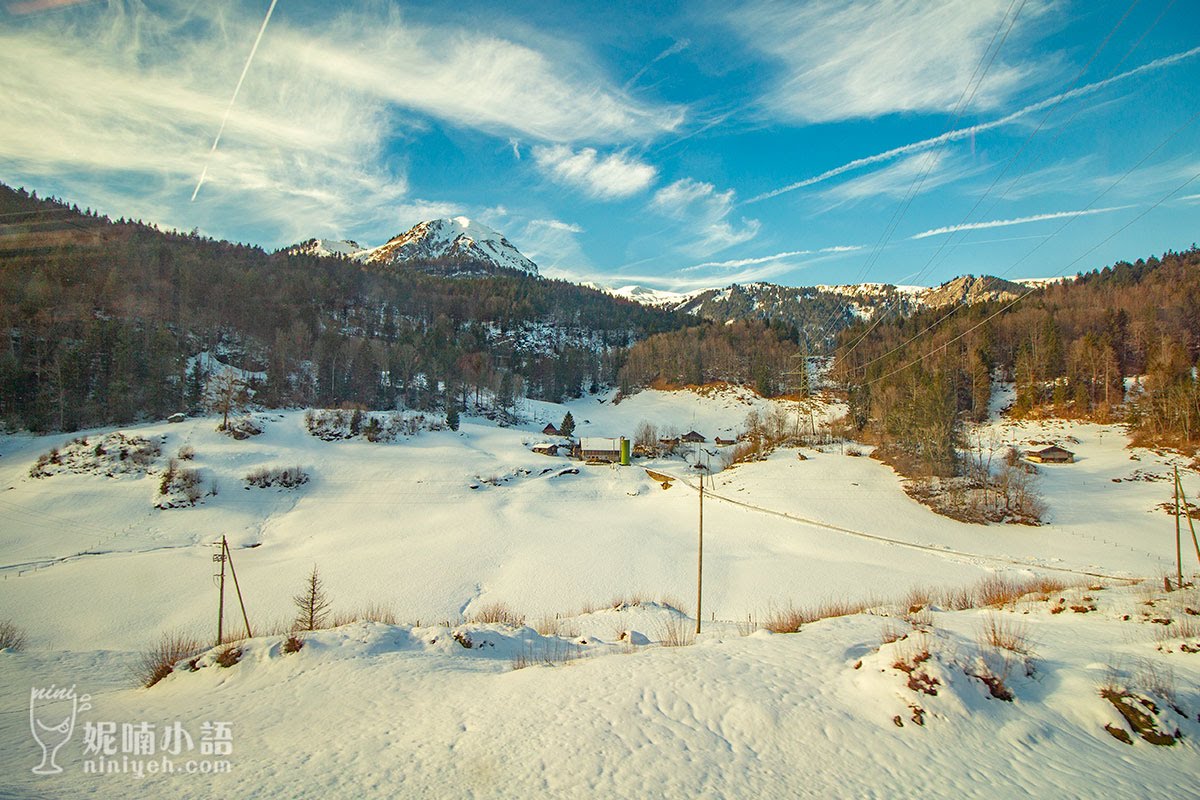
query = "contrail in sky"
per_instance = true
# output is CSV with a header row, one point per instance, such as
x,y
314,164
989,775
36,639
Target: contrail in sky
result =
x,y
963,133
236,89
1003,223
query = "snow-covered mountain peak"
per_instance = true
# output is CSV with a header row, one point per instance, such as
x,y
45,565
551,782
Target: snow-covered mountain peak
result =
x,y
457,239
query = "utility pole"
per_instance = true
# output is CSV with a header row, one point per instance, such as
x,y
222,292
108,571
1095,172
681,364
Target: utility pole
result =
x,y
1178,548
229,556
1187,512
221,606
700,559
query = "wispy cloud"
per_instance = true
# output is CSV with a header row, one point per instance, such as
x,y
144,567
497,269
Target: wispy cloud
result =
x,y
553,246
556,224
918,173
1004,223
610,177
38,6
706,212
740,263
843,59
960,134
676,48
120,102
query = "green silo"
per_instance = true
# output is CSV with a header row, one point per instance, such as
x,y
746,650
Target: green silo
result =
x,y
624,452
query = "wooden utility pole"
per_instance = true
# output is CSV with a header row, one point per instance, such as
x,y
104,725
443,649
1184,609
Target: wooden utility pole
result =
x,y
229,556
700,559
1187,510
1178,549
221,605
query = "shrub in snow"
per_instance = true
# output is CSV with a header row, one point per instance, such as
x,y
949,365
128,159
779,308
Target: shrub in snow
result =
x,y
229,656
283,477
11,637
293,644
332,425
111,455
159,661
179,488
242,428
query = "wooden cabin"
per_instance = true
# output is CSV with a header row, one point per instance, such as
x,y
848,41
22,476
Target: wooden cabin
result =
x,y
600,448
1051,455
691,437
550,430
724,442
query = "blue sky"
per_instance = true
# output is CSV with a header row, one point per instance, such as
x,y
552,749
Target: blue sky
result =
x,y
674,145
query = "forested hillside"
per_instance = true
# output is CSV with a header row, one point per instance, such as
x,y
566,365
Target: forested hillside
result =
x,y
103,316
1069,348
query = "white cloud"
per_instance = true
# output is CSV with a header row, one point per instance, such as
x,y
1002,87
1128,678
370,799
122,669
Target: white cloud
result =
x,y
739,263
960,134
556,224
119,103
706,211
1004,223
844,59
551,244
611,177
915,174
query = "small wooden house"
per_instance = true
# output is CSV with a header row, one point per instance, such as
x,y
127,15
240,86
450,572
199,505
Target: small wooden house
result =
x,y
725,442
546,449
599,448
691,437
1051,455
550,430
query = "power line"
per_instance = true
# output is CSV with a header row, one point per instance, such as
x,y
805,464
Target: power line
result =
x,y
1006,307
1035,248
985,63
1013,159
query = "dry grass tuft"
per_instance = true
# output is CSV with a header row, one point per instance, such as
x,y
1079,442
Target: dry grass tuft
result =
x,y
371,612
293,643
159,661
11,636
549,653
790,618
1005,633
497,614
229,656
677,632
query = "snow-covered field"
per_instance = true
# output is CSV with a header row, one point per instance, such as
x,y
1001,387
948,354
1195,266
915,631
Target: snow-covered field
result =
x,y
439,526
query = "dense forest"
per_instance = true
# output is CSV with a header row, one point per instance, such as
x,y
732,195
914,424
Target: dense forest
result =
x,y
103,318
748,352
1069,348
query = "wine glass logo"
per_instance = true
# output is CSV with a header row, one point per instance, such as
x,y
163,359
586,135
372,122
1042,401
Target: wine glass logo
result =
x,y
52,713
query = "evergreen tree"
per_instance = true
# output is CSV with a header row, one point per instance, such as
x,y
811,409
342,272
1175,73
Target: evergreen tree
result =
x,y
567,427
312,605
452,417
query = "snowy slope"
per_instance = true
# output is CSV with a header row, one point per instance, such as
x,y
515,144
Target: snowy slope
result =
x,y
334,248
439,525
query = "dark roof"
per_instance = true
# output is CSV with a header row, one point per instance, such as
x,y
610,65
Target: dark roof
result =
x,y
692,436
1051,450
550,430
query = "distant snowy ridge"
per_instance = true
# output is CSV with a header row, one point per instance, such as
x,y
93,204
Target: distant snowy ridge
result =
x,y
473,245
329,248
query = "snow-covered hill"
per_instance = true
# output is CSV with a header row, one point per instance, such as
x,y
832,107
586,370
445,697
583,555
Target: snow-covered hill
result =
x,y
439,525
